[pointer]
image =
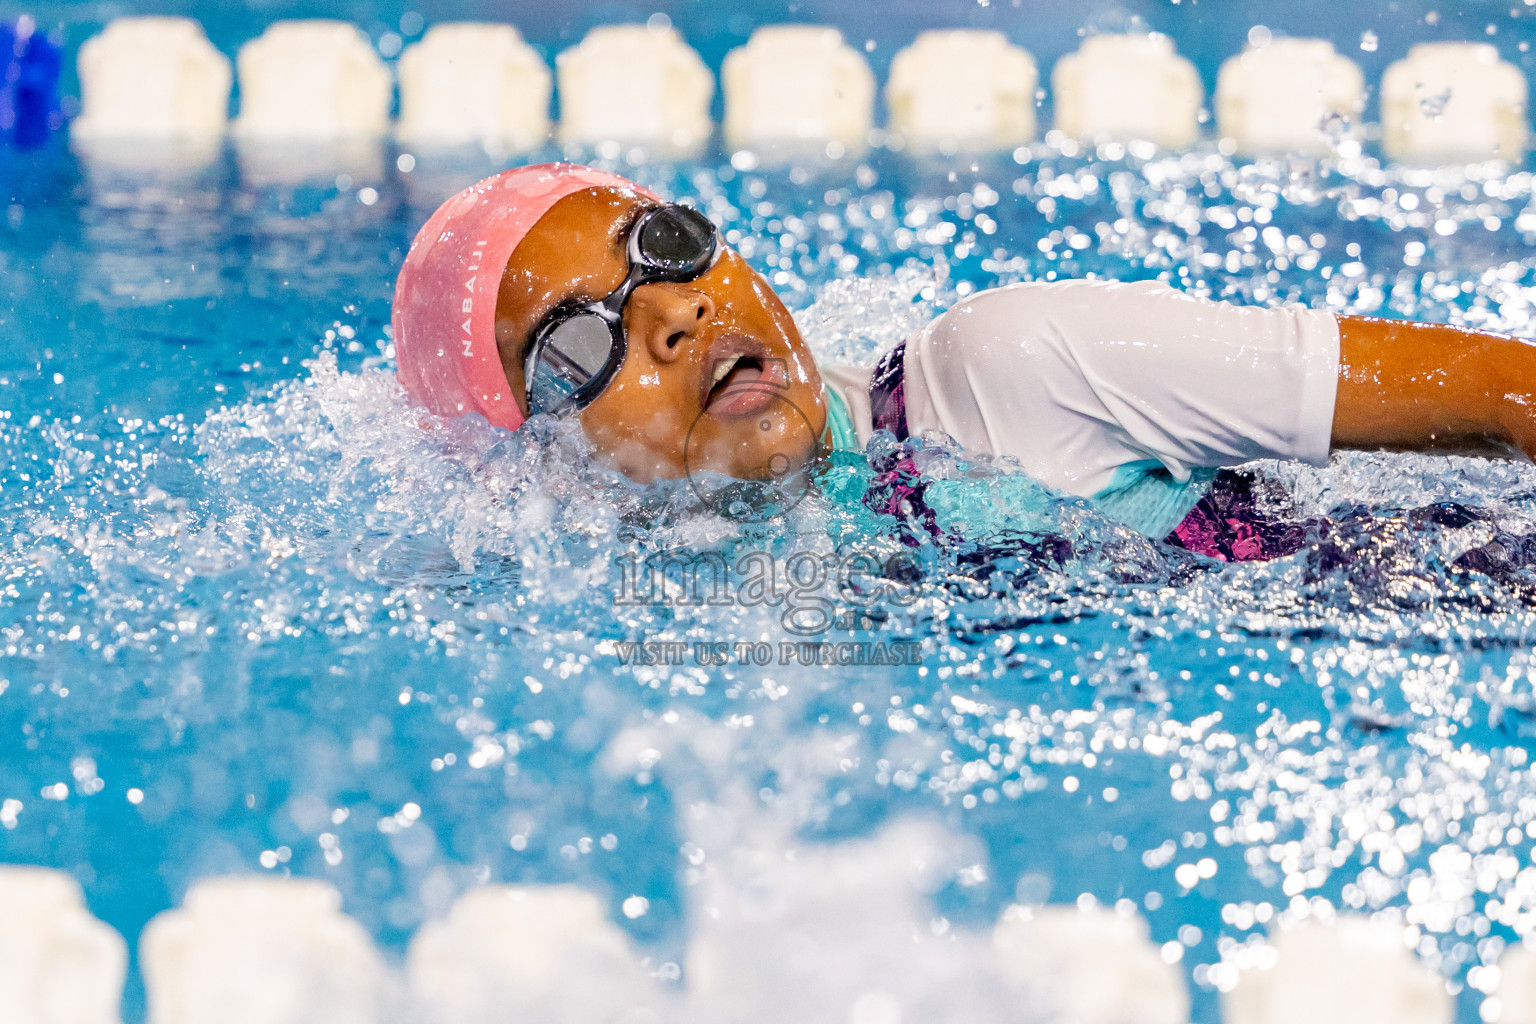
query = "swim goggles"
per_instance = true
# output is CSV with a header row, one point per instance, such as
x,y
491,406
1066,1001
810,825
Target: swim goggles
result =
x,y
578,347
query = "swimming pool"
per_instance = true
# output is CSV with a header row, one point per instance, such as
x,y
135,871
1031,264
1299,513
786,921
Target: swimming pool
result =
x,y
256,618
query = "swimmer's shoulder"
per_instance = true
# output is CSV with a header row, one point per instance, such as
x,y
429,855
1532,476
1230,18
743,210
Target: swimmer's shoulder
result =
x,y
1036,316
1058,296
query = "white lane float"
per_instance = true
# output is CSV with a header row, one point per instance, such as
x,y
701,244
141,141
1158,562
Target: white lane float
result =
x,y
549,951
1288,95
1350,970
314,81
962,89
260,950
833,933
1510,986
58,964
1453,103
1128,87
1089,966
152,78
634,84
796,85
314,106
468,83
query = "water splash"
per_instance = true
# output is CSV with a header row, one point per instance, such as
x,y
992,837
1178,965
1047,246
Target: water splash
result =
x,y
283,612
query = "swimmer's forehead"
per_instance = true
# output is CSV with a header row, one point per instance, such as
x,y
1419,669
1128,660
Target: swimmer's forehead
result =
x,y
580,237
576,250
602,208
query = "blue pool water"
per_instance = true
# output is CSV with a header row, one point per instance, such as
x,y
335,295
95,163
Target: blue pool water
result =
x,y
254,616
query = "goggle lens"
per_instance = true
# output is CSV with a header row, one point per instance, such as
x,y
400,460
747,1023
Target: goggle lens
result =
x,y
575,352
677,240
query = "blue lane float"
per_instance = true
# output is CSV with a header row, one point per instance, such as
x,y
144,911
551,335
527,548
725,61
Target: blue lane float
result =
x,y
29,98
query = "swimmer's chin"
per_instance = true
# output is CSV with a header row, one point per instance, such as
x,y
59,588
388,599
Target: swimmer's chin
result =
x,y
644,468
640,471
641,465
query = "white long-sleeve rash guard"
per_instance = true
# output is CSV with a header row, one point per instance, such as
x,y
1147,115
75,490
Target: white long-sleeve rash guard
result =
x,y
1120,393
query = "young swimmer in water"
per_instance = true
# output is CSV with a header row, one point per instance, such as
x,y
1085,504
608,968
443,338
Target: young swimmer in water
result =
x,y
561,288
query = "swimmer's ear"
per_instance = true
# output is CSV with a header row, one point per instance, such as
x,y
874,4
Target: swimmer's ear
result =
x,y
666,317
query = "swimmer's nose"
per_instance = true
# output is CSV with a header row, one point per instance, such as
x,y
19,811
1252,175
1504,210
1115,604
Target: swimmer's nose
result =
x,y
669,316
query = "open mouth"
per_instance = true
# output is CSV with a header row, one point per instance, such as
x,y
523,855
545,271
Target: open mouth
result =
x,y
735,371
743,383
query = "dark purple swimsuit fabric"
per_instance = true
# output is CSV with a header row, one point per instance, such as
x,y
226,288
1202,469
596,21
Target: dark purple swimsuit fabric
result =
x,y
1227,524
897,489
888,393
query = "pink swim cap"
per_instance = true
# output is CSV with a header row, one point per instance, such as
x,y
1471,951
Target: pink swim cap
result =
x,y
445,298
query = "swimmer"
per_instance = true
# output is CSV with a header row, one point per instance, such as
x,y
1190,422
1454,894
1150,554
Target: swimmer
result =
x,y
561,289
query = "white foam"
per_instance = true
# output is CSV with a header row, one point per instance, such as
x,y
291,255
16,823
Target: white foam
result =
x,y
1350,970
58,964
1407,480
1128,87
637,84
1090,966
312,80
1289,94
963,89
797,84
855,319
550,951
255,950
152,78
473,83
1453,103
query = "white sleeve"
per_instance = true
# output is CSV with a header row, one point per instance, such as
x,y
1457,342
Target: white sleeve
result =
x,y
1078,378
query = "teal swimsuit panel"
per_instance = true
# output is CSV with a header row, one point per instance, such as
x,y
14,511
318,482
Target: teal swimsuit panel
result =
x,y
1143,495
1147,498
840,430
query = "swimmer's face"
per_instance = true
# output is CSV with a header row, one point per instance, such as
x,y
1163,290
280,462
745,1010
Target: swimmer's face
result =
x,y
762,420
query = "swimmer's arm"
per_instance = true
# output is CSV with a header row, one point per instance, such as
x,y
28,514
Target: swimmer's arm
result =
x,y
1418,387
